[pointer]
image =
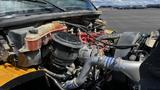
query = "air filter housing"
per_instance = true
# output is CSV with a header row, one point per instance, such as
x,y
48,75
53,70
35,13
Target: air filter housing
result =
x,y
66,47
67,39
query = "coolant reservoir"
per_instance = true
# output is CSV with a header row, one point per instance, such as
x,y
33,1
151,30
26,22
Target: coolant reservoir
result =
x,y
35,38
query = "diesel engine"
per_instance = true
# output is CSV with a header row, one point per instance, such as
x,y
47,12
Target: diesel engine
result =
x,y
80,57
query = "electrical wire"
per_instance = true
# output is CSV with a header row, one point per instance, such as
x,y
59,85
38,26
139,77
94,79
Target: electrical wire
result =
x,y
56,82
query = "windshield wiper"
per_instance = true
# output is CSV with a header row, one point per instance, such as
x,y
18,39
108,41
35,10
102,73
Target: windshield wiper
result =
x,y
45,2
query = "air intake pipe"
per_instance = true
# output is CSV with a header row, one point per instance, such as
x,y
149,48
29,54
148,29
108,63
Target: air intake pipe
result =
x,y
129,68
76,82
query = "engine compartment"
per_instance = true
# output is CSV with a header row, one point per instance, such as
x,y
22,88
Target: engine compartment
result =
x,y
79,55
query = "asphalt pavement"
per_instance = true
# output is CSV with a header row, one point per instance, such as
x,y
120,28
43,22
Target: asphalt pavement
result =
x,y
136,20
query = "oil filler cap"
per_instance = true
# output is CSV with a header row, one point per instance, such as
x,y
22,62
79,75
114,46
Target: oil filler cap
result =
x,y
67,39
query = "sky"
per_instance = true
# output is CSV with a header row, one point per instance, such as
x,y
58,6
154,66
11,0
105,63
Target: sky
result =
x,y
125,2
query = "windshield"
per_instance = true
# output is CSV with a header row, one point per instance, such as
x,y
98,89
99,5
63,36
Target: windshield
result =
x,y
20,7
